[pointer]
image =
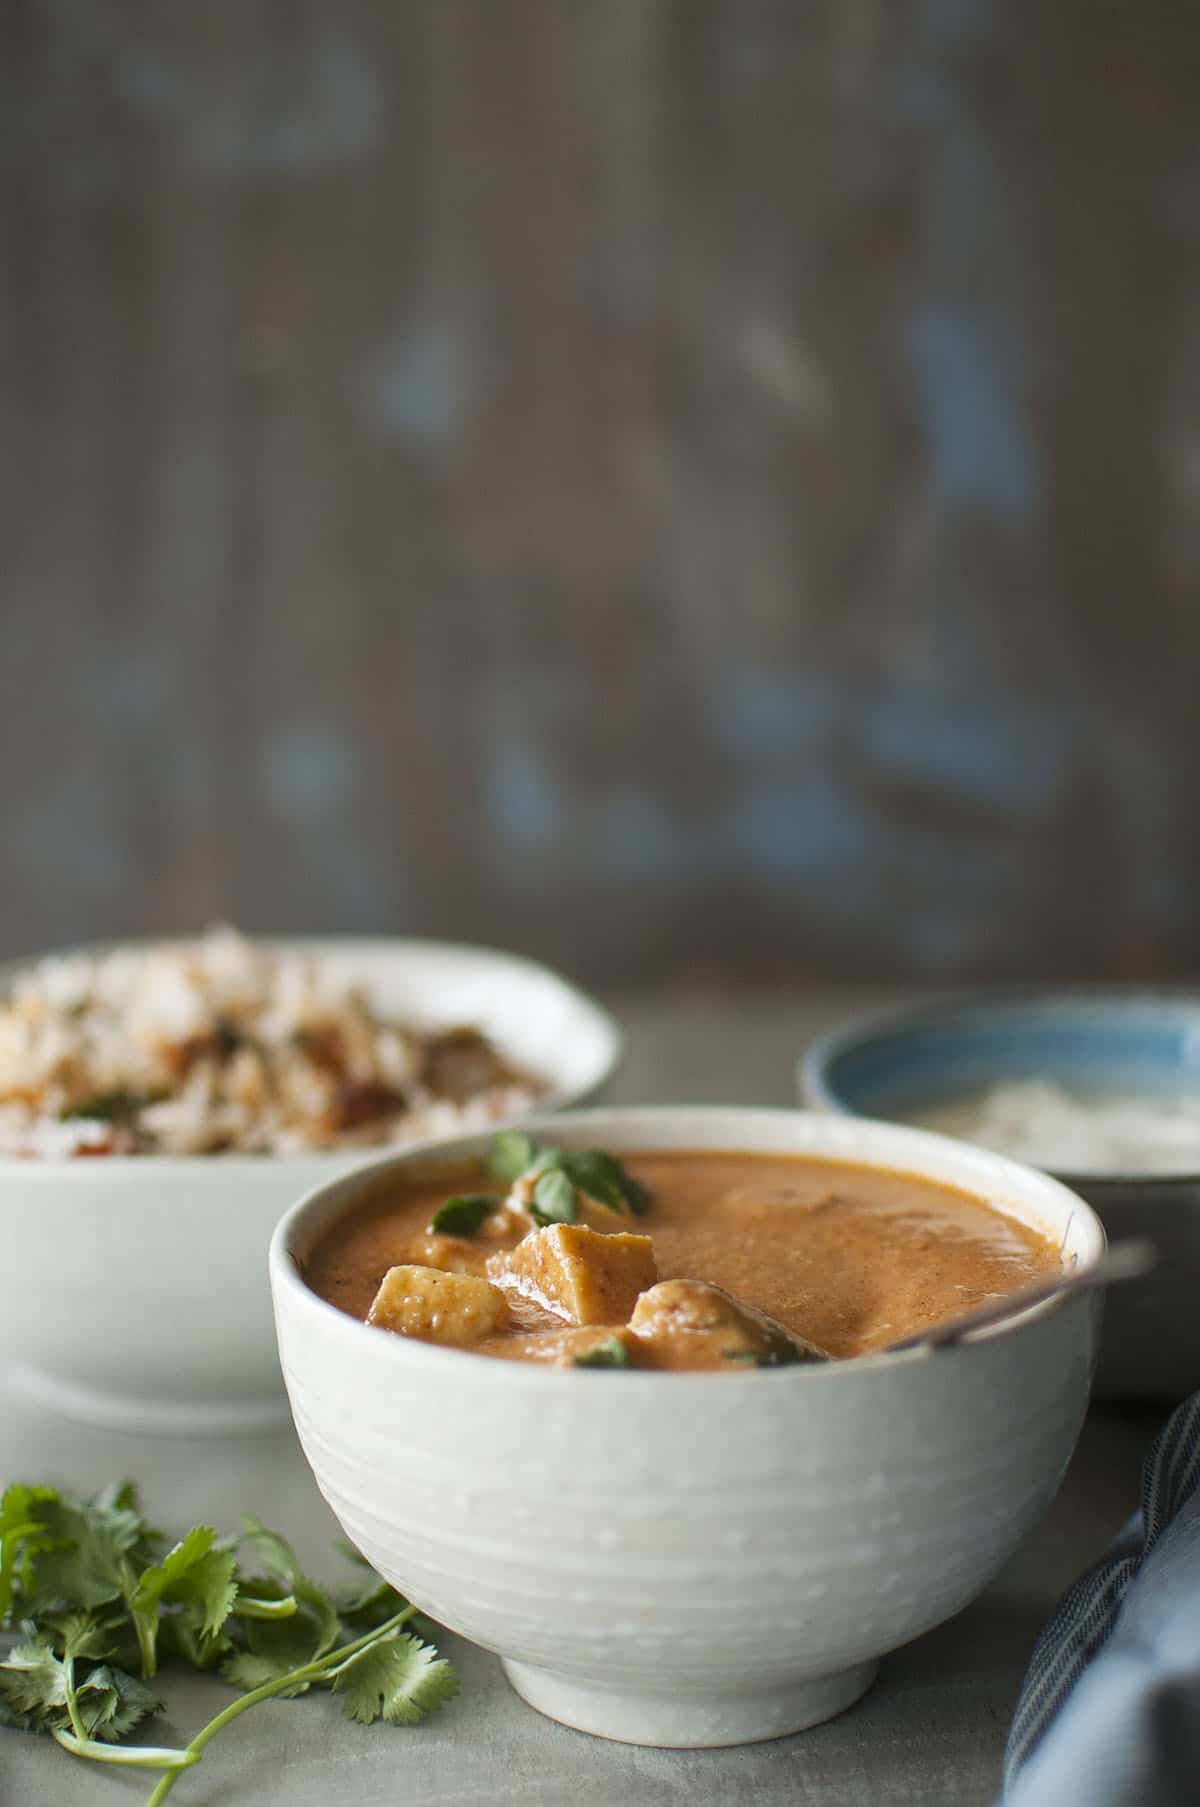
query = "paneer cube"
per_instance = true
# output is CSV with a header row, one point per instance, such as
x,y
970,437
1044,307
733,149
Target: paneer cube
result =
x,y
674,1310
437,1307
577,1273
689,1305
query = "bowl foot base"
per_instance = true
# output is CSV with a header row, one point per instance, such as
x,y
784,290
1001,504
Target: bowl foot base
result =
x,y
689,1722
165,1417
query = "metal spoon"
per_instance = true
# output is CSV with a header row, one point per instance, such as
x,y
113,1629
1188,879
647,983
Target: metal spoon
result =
x,y
1127,1260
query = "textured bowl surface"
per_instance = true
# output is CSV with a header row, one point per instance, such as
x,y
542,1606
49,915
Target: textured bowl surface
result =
x,y
694,1559
874,1068
133,1289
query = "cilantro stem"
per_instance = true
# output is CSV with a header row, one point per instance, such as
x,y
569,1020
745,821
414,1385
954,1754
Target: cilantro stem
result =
x,y
145,1627
317,1670
249,1606
132,1756
77,1725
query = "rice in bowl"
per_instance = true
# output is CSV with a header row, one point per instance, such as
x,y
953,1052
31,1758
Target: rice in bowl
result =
x,y
223,1045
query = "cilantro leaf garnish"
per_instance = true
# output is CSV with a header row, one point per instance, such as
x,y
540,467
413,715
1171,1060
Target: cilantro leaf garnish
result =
x,y
512,1154
274,1552
553,1198
192,1575
113,1704
92,1550
399,1679
779,1351
33,1680
116,1106
94,1594
22,1534
275,1647
366,1607
611,1353
589,1170
464,1214
603,1178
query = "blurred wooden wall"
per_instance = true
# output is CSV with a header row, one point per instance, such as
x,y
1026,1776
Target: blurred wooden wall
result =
x,y
679,486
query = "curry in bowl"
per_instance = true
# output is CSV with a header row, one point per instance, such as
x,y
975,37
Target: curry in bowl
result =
x,y
667,1259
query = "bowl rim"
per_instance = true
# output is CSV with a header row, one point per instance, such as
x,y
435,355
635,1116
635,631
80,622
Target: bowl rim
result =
x,y
290,1289
813,1064
332,1162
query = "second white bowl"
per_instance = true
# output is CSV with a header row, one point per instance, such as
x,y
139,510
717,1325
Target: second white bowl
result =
x,y
133,1289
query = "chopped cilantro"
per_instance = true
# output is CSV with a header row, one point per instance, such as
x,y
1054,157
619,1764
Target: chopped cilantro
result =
x,y
603,1178
116,1106
590,1170
613,1352
553,1198
464,1214
512,1154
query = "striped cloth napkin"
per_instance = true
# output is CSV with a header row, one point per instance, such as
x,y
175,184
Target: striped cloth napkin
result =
x,y
1109,1715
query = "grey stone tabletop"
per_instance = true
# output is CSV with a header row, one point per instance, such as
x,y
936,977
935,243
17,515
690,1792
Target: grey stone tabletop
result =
x,y
929,1734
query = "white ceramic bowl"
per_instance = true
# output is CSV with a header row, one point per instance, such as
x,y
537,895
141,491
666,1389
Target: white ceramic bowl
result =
x,y
133,1290
694,1559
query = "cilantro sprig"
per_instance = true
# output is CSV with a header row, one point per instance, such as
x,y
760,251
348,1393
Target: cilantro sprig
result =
x,y
463,1215
99,1602
562,1174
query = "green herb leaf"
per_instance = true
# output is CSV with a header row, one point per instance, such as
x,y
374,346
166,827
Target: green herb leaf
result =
x,y
274,1647
351,1554
22,1534
83,1635
613,1352
113,1703
464,1214
280,1645
33,1680
399,1679
193,1574
274,1552
603,1178
120,1496
181,1639
116,1106
87,1559
246,1671
512,1154
553,1198
13,1721
365,1607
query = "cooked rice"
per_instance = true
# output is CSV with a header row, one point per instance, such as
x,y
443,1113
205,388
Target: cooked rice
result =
x,y
223,1045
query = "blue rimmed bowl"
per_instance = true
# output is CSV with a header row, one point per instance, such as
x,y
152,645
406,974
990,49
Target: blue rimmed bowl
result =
x,y
893,1066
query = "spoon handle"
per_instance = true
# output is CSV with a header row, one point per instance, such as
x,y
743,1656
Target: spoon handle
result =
x,y
1127,1260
